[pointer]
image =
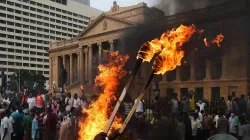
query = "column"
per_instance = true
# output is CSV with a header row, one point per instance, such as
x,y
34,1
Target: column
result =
x,y
70,69
112,46
64,61
56,71
178,73
224,65
164,77
90,64
208,70
80,65
99,53
50,72
86,65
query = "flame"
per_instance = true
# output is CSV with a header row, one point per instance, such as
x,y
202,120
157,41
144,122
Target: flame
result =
x,y
206,43
82,87
148,49
97,113
171,42
219,38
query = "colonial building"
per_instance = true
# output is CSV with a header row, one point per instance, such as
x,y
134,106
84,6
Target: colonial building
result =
x,y
210,72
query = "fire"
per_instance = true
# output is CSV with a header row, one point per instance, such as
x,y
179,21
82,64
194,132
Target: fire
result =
x,y
206,43
219,38
148,49
171,42
97,113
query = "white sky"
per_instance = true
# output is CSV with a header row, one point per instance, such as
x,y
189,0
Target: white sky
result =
x,y
105,5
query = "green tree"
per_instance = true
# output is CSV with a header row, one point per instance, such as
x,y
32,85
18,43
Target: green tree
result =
x,y
29,80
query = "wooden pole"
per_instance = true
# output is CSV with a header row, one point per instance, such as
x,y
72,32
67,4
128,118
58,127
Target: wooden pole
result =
x,y
131,113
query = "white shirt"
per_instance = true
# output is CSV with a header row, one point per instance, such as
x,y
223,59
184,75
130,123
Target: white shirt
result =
x,y
6,101
31,102
216,119
201,105
70,101
11,121
196,124
4,125
77,103
200,117
83,104
139,107
232,127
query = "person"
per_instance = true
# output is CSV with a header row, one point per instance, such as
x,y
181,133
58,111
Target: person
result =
x,y
236,105
4,80
181,128
31,101
216,118
68,103
192,101
50,126
63,77
233,125
175,105
27,124
156,107
229,104
5,133
76,102
40,98
188,126
242,105
223,124
11,122
139,109
185,105
6,99
34,129
196,126
207,124
244,133
201,105
18,127
54,105
24,100
64,128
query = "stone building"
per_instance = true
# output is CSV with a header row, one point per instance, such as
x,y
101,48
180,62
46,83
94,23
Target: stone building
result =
x,y
210,72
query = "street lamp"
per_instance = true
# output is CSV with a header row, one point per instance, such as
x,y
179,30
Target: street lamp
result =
x,y
19,89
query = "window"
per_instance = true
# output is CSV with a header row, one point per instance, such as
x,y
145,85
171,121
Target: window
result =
x,y
18,11
18,31
64,17
33,34
10,23
64,34
52,20
2,15
39,11
80,21
2,8
19,51
64,23
39,59
26,32
11,63
32,9
46,6
19,44
33,15
11,56
3,21
52,37
2,49
32,40
33,65
40,47
39,35
46,36
46,12
11,43
45,60
25,13
26,20
2,35
26,26
25,64
25,58
46,66
33,21
69,24
10,50
70,13
75,20
74,14
18,18
52,8
39,29
33,27
39,41
58,10
46,54
32,2
57,15
26,52
19,57
10,3
10,16
18,25
46,72
10,30
52,32
39,54
74,25
58,27
58,21
3,28
26,39
25,7
9,9
46,18
33,53
39,17
39,23
39,4
46,30
11,36
69,18
3,56
52,14
18,5
52,26
58,33
33,46
18,38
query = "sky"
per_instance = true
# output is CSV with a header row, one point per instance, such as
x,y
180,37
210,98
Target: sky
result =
x,y
105,5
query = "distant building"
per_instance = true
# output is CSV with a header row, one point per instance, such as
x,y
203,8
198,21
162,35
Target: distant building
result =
x,y
27,27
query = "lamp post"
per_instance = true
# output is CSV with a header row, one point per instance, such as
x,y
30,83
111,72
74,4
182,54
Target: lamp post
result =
x,y
18,85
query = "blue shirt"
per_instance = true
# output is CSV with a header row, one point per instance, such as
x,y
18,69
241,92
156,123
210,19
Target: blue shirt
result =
x,y
34,128
18,119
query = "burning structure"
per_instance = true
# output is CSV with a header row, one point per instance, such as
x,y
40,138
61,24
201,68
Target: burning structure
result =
x,y
224,73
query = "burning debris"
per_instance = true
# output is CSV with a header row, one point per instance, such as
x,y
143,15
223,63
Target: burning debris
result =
x,y
217,40
97,113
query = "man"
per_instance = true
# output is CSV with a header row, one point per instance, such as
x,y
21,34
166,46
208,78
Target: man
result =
x,y
201,105
244,132
223,124
76,102
3,86
40,102
68,103
229,104
34,129
156,107
63,77
185,105
27,124
5,134
6,99
233,125
31,101
18,127
207,124
175,105
192,101
139,110
242,105
50,126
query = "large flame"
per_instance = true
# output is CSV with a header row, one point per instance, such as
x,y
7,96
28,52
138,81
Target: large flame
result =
x,y
97,113
171,42
219,38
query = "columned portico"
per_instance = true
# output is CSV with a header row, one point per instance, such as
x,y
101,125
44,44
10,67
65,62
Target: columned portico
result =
x,y
81,65
86,65
71,69
112,45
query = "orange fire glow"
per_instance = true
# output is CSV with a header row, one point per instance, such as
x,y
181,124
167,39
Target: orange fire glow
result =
x,y
171,42
206,43
219,38
108,79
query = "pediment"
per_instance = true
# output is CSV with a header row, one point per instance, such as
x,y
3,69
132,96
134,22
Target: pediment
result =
x,y
105,23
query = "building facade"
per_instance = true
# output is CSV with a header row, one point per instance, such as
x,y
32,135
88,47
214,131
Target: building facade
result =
x,y
210,72
28,27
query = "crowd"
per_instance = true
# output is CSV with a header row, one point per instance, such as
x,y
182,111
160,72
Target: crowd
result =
x,y
40,117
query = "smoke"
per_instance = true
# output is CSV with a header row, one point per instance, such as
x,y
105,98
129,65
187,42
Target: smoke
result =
x,y
171,7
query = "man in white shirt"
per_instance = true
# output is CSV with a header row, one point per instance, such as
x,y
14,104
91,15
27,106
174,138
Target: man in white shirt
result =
x,y
31,101
201,105
6,100
139,109
76,102
5,132
68,103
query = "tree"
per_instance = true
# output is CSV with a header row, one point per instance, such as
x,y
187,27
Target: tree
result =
x,y
29,80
